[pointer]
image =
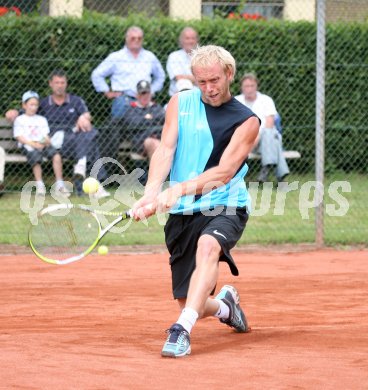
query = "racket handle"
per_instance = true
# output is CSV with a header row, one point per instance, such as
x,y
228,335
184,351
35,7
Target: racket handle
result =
x,y
148,207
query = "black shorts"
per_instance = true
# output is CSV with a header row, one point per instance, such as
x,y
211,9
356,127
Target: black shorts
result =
x,y
36,156
182,233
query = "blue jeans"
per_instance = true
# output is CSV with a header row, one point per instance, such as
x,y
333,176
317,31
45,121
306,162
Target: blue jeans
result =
x,y
270,148
83,144
120,105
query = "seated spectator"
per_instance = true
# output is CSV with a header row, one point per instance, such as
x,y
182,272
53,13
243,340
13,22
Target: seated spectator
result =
x,y
71,129
125,68
178,62
142,124
269,142
32,133
144,120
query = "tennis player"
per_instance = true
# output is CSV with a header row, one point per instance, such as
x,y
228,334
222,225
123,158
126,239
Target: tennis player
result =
x,y
205,142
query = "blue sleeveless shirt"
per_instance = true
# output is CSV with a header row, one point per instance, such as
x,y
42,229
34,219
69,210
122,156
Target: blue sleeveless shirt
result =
x,y
204,132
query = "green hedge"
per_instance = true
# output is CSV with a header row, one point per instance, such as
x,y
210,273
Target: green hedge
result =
x,y
281,53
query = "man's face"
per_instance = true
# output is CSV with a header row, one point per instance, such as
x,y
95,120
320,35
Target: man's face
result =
x,y
144,98
58,85
214,83
134,40
189,40
249,89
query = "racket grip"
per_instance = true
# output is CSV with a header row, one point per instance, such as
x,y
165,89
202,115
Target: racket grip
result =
x,y
148,207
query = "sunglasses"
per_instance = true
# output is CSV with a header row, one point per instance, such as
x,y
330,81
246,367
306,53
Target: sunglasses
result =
x,y
136,38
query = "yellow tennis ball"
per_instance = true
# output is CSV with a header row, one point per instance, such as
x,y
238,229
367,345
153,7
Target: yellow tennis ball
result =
x,y
90,185
103,250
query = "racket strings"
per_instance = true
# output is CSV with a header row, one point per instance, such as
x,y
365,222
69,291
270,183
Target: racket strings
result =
x,y
111,213
64,236
124,215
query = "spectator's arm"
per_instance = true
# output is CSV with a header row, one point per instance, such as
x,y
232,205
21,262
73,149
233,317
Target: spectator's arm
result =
x,y
47,141
105,69
25,141
11,115
172,67
270,110
84,122
270,122
158,76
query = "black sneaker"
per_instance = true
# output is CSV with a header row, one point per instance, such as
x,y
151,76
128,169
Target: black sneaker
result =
x,y
230,296
177,343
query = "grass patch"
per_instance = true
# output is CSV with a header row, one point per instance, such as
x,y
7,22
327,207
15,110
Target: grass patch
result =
x,y
270,223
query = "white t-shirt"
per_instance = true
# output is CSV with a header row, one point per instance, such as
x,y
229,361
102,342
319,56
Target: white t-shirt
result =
x,y
178,62
263,106
34,128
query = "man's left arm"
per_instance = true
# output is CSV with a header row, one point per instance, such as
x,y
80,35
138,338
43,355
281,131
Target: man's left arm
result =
x,y
270,109
84,121
235,154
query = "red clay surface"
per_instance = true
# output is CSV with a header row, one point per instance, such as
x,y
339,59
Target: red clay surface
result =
x,y
99,324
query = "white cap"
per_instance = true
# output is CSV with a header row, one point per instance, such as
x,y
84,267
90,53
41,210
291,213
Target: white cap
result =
x,y
28,95
183,85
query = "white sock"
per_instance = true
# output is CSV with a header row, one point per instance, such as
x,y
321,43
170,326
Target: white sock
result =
x,y
187,319
82,161
223,311
59,184
40,184
80,167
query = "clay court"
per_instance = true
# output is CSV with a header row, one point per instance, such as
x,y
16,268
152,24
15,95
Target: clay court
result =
x,y
100,324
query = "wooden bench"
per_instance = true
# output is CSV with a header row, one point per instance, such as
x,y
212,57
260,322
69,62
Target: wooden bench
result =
x,y
288,154
10,153
125,149
9,145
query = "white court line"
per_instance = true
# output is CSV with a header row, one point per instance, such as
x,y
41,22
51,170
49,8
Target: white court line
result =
x,y
310,327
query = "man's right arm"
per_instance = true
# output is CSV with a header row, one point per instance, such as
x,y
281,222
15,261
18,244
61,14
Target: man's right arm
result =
x,y
161,161
105,69
11,115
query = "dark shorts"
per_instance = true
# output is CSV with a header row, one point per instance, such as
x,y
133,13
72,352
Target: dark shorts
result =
x,y
138,139
182,233
36,156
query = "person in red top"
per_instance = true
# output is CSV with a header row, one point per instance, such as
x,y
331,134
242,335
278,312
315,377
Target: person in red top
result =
x,y
144,120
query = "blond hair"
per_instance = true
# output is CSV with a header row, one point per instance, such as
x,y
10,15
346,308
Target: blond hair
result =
x,y
212,54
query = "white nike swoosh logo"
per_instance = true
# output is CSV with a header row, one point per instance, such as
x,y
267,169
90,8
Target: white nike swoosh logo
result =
x,y
185,113
219,234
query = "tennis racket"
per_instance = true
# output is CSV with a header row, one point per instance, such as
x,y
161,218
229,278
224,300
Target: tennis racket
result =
x,y
66,232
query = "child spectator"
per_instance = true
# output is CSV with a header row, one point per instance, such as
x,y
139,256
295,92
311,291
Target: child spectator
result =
x,y
32,133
